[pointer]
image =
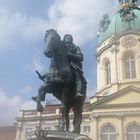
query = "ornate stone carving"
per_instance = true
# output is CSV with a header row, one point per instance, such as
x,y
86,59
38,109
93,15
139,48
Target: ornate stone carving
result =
x,y
120,115
128,41
114,49
127,15
95,115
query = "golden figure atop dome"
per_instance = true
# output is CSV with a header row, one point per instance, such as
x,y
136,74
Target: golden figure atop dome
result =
x,y
127,3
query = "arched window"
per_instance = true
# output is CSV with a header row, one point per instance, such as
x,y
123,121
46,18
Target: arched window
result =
x,y
108,73
108,132
133,132
130,69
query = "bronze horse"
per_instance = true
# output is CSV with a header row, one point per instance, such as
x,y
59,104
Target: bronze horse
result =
x,y
60,81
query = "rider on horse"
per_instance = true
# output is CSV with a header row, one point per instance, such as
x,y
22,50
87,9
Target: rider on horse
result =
x,y
65,78
75,57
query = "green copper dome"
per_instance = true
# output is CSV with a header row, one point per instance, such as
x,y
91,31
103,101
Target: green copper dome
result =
x,y
123,21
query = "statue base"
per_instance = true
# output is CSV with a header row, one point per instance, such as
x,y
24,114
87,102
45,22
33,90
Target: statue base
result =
x,y
57,135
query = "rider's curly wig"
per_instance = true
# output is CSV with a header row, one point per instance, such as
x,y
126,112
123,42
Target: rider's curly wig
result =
x,y
69,36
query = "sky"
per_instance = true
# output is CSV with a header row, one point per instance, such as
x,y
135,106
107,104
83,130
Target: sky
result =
x,y
22,27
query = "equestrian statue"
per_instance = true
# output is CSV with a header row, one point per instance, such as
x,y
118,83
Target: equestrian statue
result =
x,y
64,79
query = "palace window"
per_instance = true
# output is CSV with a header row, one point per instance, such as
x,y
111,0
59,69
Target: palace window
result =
x,y
47,128
86,129
133,132
28,132
108,73
108,132
130,69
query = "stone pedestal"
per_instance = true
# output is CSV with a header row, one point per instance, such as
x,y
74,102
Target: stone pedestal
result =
x,y
57,135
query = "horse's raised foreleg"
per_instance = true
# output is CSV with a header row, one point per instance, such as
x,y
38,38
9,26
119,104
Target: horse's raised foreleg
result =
x,y
41,96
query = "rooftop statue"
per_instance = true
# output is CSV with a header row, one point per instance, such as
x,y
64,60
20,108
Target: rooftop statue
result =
x,y
65,78
104,23
127,3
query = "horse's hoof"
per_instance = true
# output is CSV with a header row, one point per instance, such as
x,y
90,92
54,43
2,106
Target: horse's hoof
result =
x,y
34,98
39,107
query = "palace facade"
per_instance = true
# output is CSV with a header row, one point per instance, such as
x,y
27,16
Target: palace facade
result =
x,y
115,111
31,120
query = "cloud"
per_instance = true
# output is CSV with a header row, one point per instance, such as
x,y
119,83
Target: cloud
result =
x,y
17,27
35,64
80,18
10,106
26,89
28,105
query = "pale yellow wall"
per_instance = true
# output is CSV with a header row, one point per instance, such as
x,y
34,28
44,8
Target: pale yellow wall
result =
x,y
119,111
115,54
130,97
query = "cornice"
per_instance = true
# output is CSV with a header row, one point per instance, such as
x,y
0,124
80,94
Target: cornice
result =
x,y
115,40
129,88
109,106
118,36
115,113
36,118
46,118
102,50
122,82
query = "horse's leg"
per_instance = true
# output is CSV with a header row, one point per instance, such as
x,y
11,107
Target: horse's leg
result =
x,y
41,97
63,106
63,112
77,117
67,117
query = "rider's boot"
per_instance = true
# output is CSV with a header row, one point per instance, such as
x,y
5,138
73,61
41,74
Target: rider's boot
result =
x,y
79,89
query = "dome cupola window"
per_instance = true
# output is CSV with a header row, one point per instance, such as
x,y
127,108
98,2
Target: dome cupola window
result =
x,y
108,73
130,69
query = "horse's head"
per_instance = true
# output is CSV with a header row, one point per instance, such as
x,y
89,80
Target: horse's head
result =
x,y
51,39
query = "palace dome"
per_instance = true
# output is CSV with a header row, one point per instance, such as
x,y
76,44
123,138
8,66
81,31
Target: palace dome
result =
x,y
122,21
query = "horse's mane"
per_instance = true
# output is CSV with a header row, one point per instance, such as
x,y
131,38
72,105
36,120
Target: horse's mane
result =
x,y
57,36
